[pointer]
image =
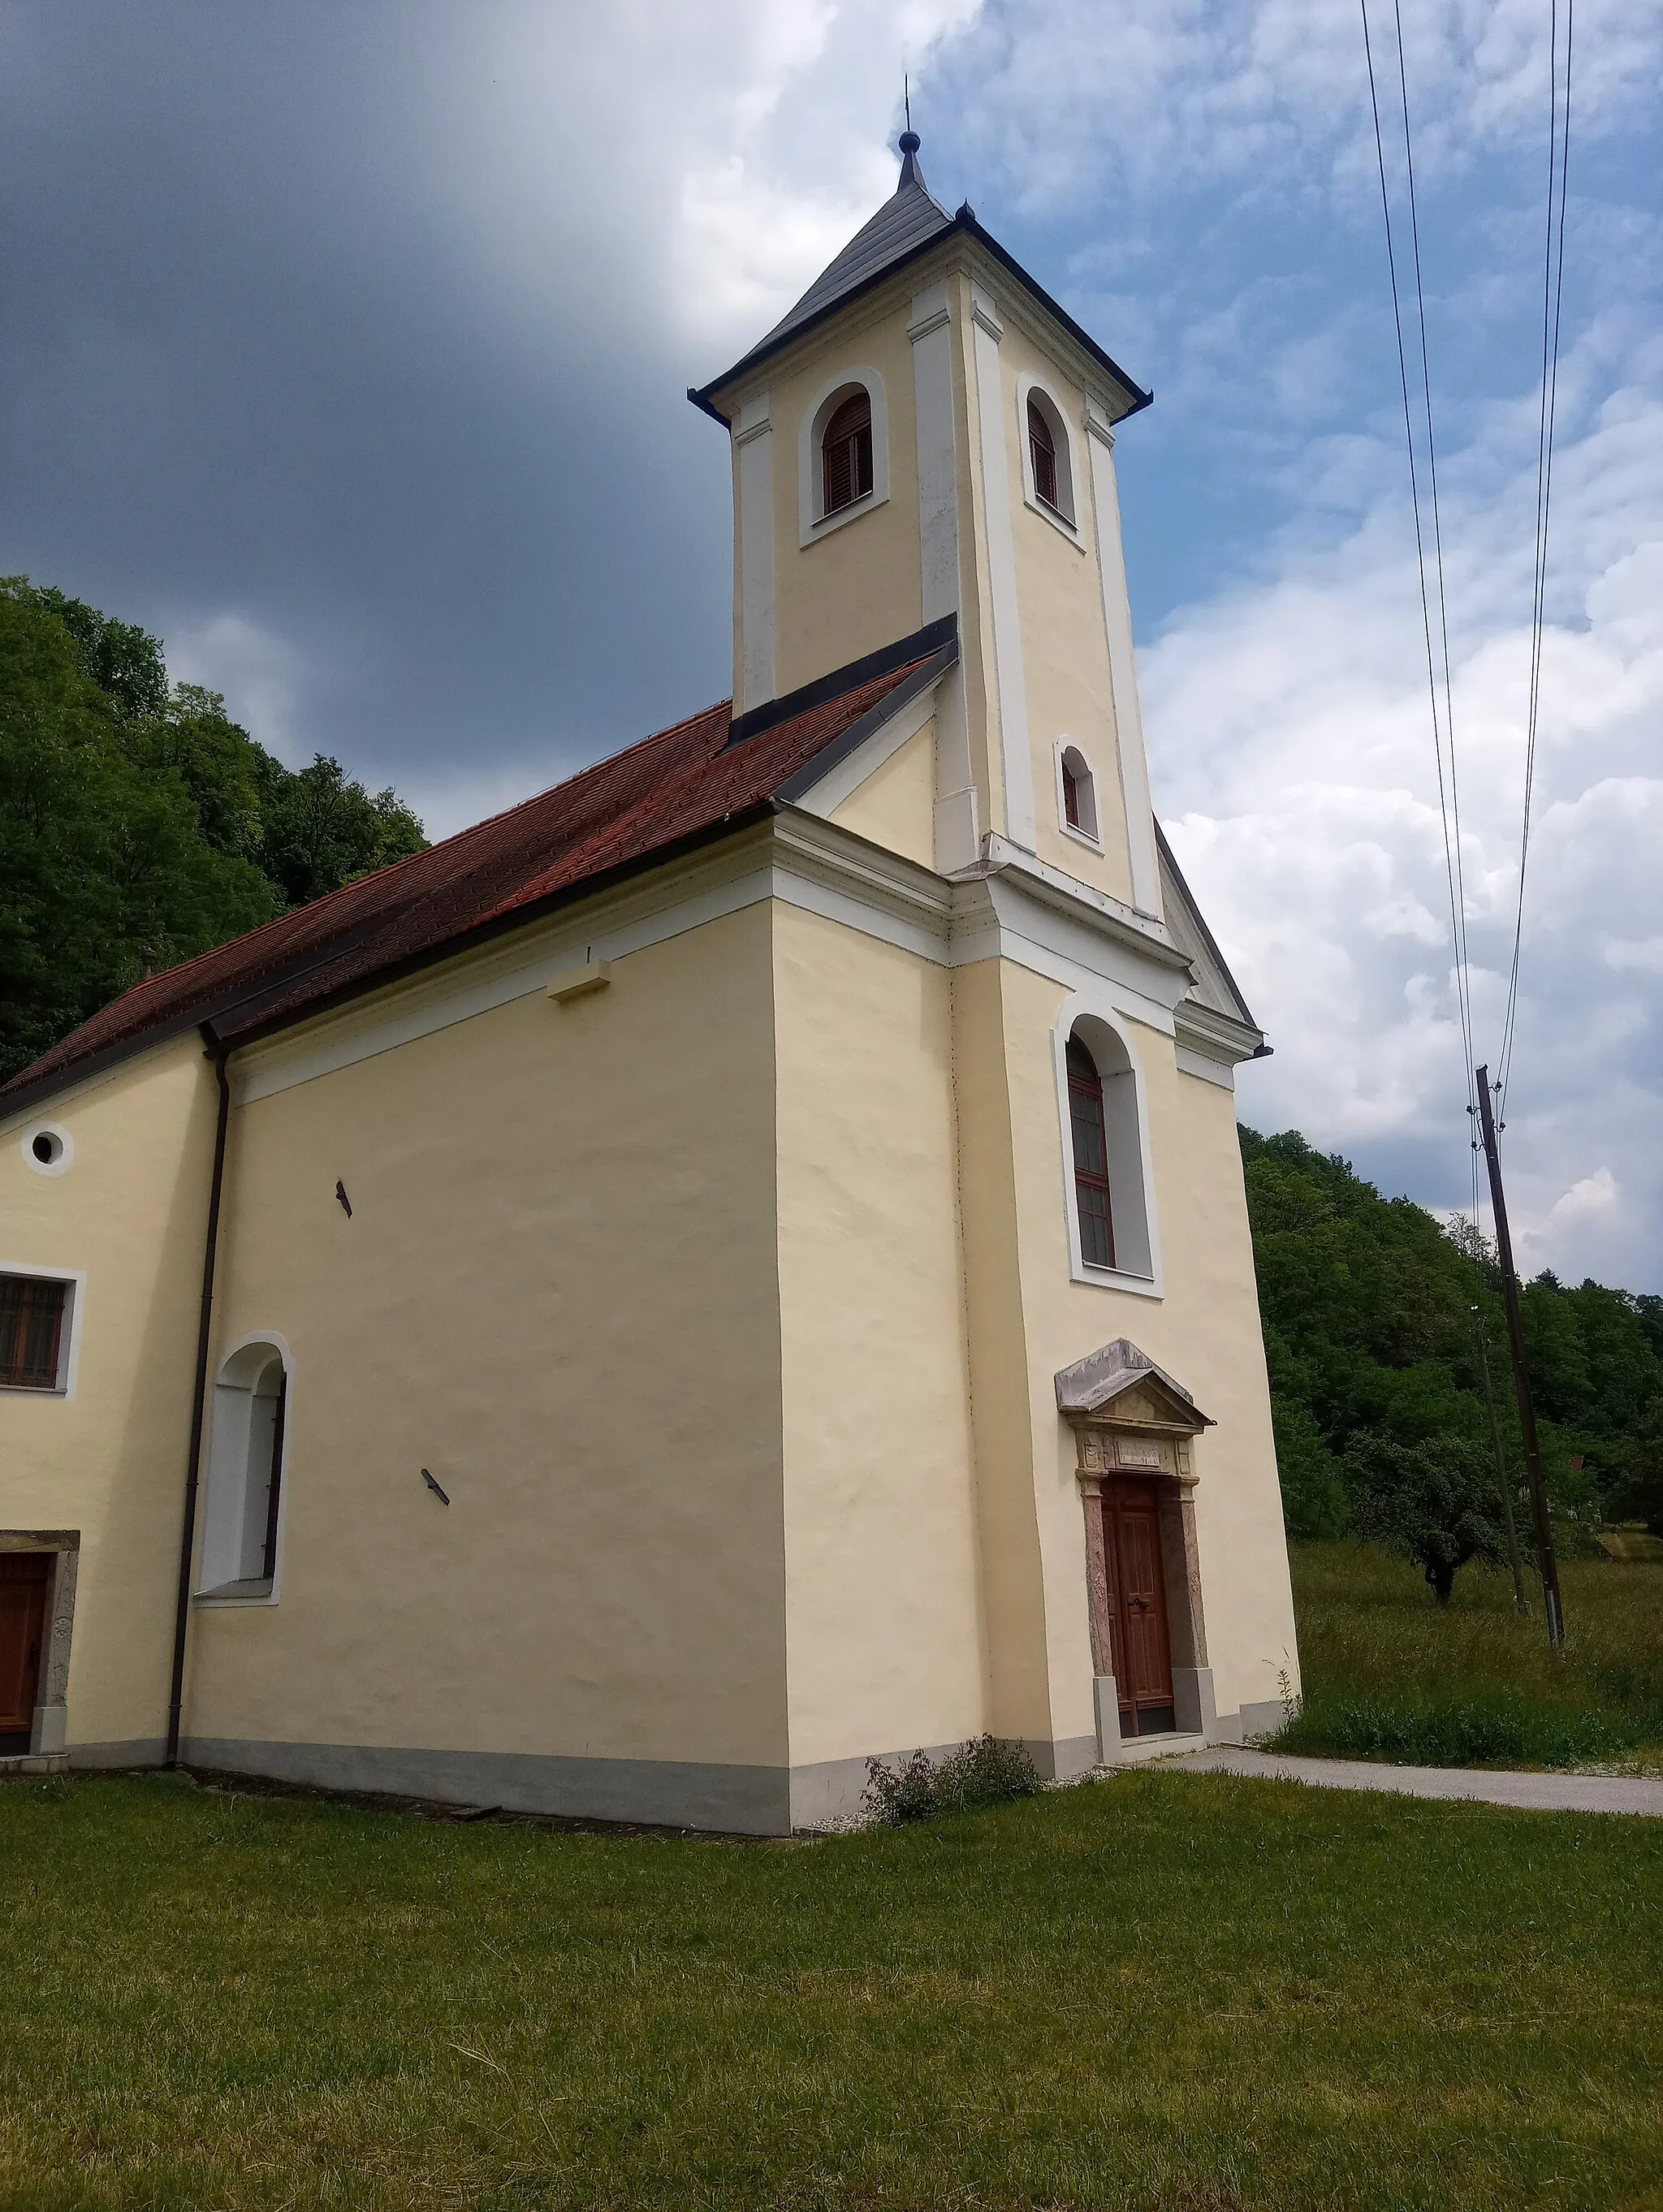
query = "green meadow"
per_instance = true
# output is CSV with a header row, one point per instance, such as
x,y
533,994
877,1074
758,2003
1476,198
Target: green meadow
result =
x,y
1389,1674
1155,1991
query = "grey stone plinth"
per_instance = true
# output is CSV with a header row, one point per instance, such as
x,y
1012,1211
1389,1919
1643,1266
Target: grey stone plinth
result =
x,y
1193,1705
1108,1718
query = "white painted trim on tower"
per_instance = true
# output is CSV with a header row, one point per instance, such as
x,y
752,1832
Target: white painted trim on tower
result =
x,y
753,468
931,333
1122,668
1017,767
958,803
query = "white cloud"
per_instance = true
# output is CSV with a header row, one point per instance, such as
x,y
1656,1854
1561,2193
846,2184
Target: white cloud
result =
x,y
631,164
1595,1194
256,670
1292,752
1075,96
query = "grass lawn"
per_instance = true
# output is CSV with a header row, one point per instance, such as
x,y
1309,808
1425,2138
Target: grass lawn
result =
x,y
1158,1991
1387,1674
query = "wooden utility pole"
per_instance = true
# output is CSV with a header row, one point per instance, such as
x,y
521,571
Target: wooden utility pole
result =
x,y
1520,1602
1515,1337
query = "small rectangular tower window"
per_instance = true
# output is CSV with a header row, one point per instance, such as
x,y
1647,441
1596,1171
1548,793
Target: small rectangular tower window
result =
x,y
32,1312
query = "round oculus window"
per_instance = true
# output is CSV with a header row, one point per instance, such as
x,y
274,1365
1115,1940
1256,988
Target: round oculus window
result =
x,y
48,1149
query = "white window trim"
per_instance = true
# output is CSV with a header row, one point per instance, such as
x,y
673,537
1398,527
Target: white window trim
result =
x,y
1066,526
65,1159
1080,836
1093,1002
813,522
69,1342
254,1593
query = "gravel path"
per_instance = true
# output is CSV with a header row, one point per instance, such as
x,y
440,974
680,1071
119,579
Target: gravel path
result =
x,y
1546,1793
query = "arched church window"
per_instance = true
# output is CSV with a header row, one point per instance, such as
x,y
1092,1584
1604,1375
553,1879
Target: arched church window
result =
x,y
1088,1122
244,1473
846,453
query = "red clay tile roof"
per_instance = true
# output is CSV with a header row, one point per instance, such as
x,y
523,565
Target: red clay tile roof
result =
x,y
684,782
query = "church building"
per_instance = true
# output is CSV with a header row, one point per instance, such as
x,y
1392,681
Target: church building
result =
x,y
737,1266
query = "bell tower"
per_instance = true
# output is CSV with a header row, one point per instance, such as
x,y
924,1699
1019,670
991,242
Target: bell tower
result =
x,y
923,450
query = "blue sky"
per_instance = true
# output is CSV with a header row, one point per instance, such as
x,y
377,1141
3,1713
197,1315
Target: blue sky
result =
x,y
346,344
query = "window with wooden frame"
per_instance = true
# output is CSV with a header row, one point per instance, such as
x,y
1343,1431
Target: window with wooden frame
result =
x,y
33,1312
1078,789
846,453
1090,1133
1042,452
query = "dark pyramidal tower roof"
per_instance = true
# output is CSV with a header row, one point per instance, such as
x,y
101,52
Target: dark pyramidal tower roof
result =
x,y
909,221
909,218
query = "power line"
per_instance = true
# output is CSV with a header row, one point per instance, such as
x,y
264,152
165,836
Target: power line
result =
x,y
1442,721
1462,963
1553,287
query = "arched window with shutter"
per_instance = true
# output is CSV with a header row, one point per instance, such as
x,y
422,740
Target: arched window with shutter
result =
x,y
1109,1189
846,453
1047,448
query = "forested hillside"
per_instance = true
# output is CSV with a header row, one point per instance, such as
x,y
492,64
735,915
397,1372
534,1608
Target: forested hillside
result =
x,y
1373,1314
138,824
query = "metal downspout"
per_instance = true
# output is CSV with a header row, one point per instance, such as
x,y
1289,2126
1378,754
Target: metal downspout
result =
x,y
219,1054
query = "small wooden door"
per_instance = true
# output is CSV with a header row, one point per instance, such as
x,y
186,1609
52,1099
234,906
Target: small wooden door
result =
x,y
24,1577
1138,1607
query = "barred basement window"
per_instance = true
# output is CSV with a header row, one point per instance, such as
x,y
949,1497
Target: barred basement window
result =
x,y
1091,1200
32,1315
846,453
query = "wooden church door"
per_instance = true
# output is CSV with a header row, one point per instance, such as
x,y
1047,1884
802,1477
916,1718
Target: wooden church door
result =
x,y
1138,1607
23,1580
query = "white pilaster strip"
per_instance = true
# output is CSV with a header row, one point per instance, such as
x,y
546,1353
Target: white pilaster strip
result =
x,y
1016,765
958,821
931,333
753,463
1123,674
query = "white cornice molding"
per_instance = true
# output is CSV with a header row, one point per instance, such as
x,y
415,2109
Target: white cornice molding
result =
x,y
1219,1036
1000,856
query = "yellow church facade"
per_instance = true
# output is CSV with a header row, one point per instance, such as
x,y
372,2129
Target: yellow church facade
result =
x,y
735,1267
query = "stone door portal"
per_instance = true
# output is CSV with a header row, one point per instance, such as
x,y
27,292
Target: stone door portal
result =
x,y
1135,1428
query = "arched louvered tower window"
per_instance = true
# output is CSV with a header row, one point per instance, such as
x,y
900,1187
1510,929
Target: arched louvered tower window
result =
x,y
846,453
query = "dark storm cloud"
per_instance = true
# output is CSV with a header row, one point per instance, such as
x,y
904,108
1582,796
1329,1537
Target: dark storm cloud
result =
x,y
254,363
